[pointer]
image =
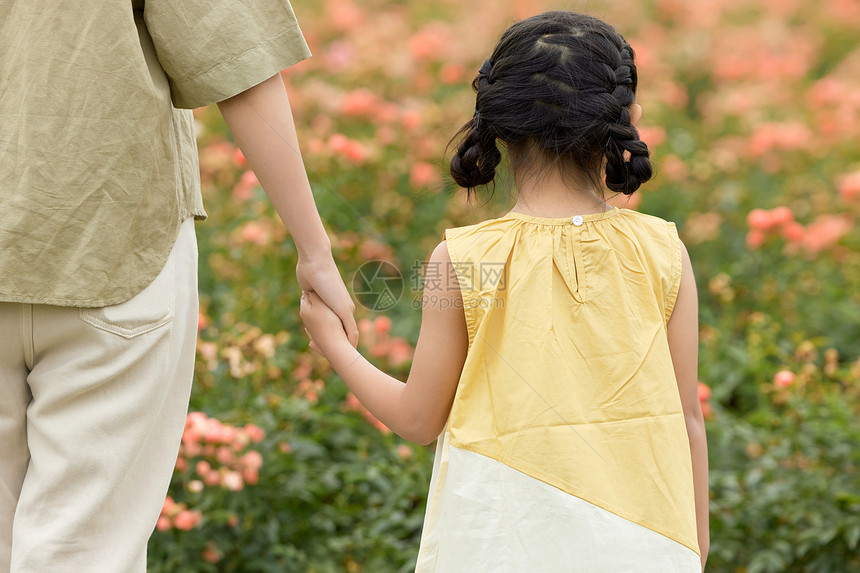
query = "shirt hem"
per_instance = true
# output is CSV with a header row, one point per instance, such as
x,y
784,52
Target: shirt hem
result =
x,y
71,303
128,294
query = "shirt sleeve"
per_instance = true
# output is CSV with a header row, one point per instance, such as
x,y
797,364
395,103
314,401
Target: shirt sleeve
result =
x,y
673,281
216,49
471,307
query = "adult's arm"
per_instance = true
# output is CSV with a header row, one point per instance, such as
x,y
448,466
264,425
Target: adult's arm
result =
x,y
262,125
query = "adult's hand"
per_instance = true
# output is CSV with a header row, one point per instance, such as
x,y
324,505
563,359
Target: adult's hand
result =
x,y
319,274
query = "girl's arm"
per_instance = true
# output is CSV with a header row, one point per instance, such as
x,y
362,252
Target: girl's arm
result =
x,y
683,334
262,124
418,409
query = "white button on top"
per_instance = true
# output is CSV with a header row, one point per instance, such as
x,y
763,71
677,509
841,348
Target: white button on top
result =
x,y
577,220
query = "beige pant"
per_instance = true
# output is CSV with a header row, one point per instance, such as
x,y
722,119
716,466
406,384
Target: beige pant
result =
x,y
92,409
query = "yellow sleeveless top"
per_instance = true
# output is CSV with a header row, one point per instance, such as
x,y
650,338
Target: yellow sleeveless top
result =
x,y
566,447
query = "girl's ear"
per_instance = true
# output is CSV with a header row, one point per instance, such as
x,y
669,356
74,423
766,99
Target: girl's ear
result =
x,y
635,114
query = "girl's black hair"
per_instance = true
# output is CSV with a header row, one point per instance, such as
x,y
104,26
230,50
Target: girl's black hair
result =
x,y
561,84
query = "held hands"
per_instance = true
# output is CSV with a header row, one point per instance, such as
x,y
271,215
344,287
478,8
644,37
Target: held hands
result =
x,y
322,325
320,277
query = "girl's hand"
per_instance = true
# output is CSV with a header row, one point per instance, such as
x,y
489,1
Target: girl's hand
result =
x,y
320,276
323,326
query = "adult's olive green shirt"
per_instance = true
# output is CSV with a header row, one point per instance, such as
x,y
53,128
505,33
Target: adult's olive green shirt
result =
x,y
98,159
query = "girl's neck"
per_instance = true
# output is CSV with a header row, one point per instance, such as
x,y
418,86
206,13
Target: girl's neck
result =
x,y
551,195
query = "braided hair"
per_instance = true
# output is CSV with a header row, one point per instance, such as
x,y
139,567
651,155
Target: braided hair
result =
x,y
562,83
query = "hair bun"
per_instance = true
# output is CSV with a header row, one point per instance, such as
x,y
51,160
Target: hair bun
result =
x,y
474,164
626,176
486,68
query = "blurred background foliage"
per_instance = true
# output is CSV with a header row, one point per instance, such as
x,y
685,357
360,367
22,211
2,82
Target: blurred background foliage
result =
x,y
752,113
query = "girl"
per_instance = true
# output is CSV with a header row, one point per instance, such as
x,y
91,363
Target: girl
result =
x,y
559,365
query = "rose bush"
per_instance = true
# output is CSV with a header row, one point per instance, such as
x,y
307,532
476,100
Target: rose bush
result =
x,y
752,112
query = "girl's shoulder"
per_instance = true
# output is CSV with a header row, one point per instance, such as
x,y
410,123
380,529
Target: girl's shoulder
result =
x,y
498,223
645,218
657,227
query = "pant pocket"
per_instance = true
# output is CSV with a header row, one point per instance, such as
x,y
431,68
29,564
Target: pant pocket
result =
x,y
152,308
